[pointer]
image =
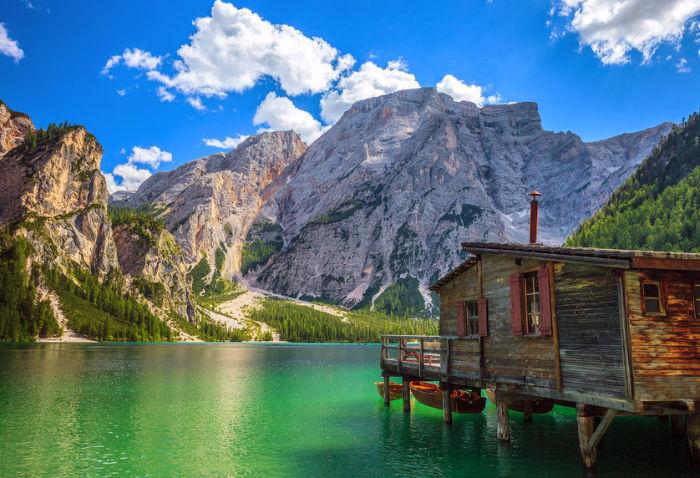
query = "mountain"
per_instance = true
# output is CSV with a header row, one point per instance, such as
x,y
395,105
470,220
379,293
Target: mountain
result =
x,y
658,208
374,209
14,126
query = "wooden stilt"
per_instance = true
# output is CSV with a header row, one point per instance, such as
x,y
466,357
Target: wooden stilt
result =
x,y
502,425
387,400
677,425
692,430
446,405
586,427
527,411
406,393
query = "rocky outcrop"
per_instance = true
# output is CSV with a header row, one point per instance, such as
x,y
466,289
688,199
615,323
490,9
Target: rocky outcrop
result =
x,y
392,189
14,126
52,187
152,260
211,203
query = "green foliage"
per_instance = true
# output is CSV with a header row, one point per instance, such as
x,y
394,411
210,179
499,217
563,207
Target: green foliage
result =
x,y
101,311
22,317
38,137
210,331
198,274
256,253
658,208
153,291
141,220
298,323
402,299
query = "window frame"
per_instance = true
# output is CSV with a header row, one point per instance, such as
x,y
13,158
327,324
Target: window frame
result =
x,y
469,331
525,330
660,298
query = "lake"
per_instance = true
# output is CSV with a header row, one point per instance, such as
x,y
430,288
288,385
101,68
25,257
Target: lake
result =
x,y
272,410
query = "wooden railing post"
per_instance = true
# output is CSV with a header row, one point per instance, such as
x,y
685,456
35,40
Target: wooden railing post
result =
x,y
400,356
421,364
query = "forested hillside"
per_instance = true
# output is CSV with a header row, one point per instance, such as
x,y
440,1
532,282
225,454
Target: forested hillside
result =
x,y
658,208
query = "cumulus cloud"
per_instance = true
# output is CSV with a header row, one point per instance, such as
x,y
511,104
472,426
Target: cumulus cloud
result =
x,y
133,58
8,46
613,28
367,82
196,103
164,95
234,48
280,114
461,91
682,66
227,143
131,175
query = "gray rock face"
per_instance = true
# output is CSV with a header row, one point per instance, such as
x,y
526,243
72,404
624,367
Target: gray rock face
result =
x,y
394,187
213,201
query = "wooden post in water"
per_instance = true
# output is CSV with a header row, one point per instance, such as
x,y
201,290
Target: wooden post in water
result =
x,y
677,425
502,425
387,399
527,411
406,394
692,430
446,402
586,427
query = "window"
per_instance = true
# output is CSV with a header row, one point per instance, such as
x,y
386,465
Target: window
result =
x,y
472,318
696,300
532,304
652,298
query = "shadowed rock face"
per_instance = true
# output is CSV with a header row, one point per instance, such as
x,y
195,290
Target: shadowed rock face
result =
x,y
214,200
58,182
14,127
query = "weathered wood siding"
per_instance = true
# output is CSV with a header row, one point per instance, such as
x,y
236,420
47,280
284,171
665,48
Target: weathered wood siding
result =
x,y
665,349
590,341
463,287
508,358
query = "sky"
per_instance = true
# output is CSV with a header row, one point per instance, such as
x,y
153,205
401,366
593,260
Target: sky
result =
x,y
163,82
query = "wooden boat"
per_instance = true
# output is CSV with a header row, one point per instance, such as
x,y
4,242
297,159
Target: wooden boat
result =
x,y
461,401
395,390
540,405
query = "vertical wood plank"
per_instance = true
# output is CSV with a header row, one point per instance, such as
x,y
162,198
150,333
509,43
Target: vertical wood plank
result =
x,y
555,326
387,399
446,405
406,394
502,425
693,434
585,426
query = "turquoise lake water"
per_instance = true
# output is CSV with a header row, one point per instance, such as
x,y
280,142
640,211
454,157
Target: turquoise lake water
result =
x,y
272,410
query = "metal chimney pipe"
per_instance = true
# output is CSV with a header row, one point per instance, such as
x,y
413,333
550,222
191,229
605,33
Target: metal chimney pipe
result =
x,y
534,210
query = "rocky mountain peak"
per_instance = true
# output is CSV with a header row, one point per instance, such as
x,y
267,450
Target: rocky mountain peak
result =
x,y
14,126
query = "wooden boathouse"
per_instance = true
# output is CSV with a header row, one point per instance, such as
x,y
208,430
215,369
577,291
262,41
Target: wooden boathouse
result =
x,y
609,332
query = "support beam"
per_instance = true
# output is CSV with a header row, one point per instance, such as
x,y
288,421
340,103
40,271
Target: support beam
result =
x,y
446,402
406,394
387,399
693,433
502,425
677,425
527,411
585,424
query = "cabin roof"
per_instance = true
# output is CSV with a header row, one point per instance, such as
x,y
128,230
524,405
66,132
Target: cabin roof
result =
x,y
453,273
625,259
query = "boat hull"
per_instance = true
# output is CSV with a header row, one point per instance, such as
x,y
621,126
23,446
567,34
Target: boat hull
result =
x,y
395,390
540,405
460,401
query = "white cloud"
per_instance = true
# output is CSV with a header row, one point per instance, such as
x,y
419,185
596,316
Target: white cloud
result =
x,y
164,95
367,82
234,48
131,178
133,58
196,103
613,28
121,92
227,143
152,156
131,175
682,66
8,46
280,114
461,91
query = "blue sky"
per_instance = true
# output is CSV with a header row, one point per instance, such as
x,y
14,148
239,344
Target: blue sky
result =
x,y
594,68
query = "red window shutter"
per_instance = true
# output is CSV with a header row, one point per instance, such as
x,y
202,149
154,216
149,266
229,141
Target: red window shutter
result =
x,y
516,303
483,317
545,301
461,323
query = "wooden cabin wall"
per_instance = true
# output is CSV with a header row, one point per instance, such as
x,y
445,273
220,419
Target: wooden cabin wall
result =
x,y
665,349
590,340
510,358
465,352
463,287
